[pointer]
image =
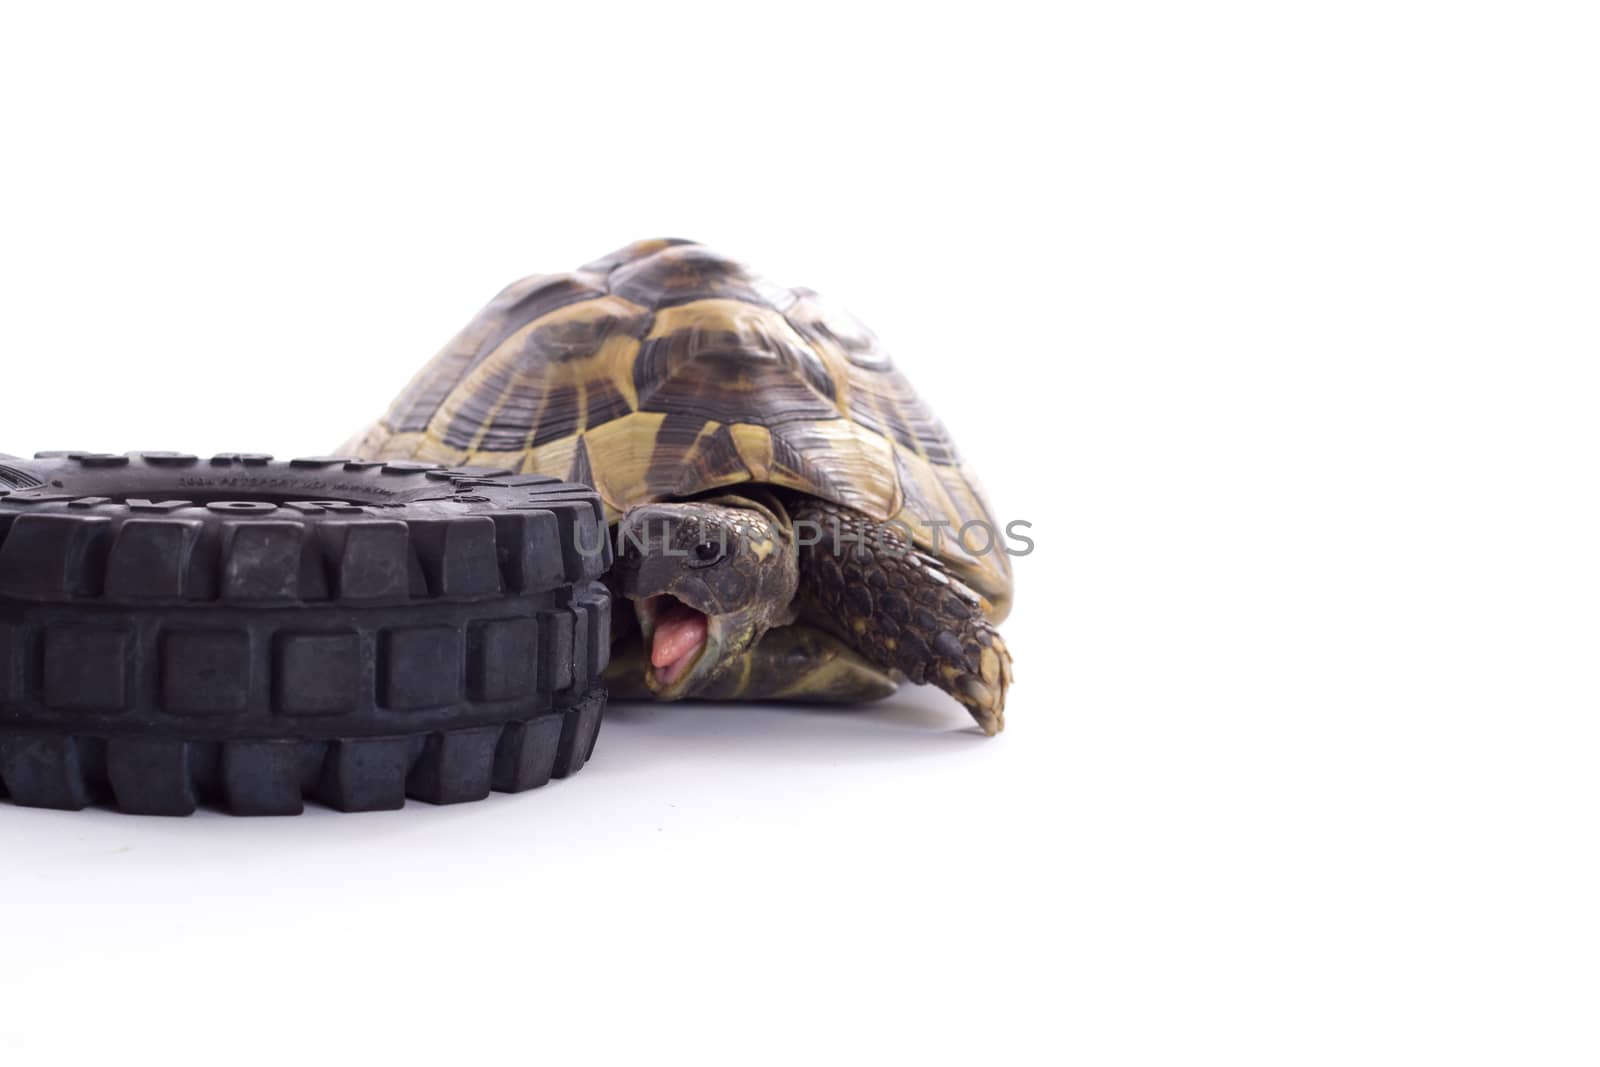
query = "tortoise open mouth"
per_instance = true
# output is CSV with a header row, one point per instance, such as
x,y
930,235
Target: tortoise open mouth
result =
x,y
678,637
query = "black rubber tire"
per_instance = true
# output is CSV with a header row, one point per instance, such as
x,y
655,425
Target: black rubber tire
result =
x,y
242,633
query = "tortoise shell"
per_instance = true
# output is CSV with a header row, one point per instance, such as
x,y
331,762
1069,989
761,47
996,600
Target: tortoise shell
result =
x,y
665,370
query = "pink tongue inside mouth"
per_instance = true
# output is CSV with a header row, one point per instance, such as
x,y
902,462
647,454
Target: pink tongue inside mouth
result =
x,y
680,631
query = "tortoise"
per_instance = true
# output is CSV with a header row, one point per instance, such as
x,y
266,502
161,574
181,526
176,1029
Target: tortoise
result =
x,y
786,510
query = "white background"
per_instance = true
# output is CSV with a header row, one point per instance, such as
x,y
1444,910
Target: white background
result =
x,y
1277,321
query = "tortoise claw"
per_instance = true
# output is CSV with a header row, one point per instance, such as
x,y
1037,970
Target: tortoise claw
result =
x,y
984,694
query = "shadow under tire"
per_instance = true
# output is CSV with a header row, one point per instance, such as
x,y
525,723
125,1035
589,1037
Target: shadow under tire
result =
x,y
240,633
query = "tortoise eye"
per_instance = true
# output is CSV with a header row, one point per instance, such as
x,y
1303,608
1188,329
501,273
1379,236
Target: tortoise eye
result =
x,y
706,553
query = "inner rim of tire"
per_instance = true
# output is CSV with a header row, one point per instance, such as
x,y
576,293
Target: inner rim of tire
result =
x,y
15,479
202,489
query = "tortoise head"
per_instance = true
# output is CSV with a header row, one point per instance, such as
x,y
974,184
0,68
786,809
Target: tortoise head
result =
x,y
707,578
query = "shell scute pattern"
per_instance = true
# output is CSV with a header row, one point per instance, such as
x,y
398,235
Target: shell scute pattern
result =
x,y
665,370
519,303
683,273
727,361
559,374
880,397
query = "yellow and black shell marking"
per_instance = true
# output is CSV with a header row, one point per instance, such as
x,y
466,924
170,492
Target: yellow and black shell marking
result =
x,y
666,370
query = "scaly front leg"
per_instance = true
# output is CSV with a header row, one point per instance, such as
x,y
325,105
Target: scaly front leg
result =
x,y
901,609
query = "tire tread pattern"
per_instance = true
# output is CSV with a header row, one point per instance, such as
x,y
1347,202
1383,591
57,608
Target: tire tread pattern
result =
x,y
345,631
